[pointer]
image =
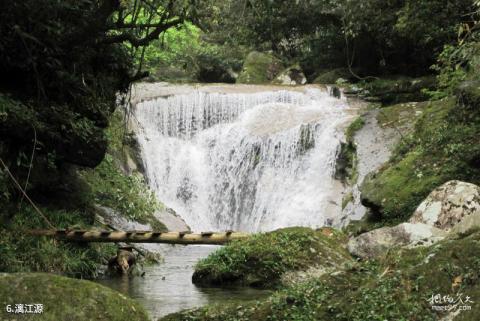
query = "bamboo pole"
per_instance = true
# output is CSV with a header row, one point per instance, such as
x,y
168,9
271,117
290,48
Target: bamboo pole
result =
x,y
142,236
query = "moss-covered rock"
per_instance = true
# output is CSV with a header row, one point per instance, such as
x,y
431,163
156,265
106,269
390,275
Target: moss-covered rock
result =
x,y
444,146
262,259
468,94
259,68
400,89
331,76
396,286
346,163
293,75
65,299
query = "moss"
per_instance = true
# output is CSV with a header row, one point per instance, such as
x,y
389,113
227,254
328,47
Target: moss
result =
x,y
443,146
400,116
394,287
347,199
346,164
259,68
400,89
262,259
353,128
113,187
65,299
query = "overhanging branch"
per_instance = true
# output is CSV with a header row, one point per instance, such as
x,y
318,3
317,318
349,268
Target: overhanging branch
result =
x,y
138,42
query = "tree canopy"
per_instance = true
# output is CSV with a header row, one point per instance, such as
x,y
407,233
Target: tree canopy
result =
x,y
62,66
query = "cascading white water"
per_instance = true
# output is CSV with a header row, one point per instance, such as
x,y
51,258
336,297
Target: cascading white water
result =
x,y
249,161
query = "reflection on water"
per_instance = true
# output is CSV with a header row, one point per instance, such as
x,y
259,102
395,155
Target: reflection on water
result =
x,y
168,288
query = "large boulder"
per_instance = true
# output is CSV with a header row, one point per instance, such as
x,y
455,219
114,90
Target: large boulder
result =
x,y
259,68
64,298
293,75
377,242
332,76
453,206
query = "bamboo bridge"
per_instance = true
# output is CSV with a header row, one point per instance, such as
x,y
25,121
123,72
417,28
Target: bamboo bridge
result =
x,y
217,238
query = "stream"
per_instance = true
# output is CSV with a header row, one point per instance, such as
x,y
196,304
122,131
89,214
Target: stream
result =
x,y
167,288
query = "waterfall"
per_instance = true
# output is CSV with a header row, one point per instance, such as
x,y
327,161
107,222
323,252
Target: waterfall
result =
x,y
243,160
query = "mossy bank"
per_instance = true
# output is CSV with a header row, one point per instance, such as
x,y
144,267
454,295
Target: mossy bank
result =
x,y
264,258
396,286
63,298
443,146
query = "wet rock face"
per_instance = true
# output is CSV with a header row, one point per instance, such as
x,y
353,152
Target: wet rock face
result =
x,y
452,205
377,242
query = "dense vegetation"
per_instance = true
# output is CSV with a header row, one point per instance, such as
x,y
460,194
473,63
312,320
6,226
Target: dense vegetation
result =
x,y
65,72
394,287
64,67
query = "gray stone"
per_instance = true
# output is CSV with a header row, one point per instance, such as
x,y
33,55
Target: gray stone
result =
x,y
171,220
453,206
378,241
291,76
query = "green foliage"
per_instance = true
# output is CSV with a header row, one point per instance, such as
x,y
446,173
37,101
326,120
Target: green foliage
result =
x,y
376,35
63,65
458,61
188,54
400,89
20,252
263,258
394,287
111,187
127,194
176,49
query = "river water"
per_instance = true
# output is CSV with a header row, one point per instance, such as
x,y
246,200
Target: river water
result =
x,y
167,288
245,158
